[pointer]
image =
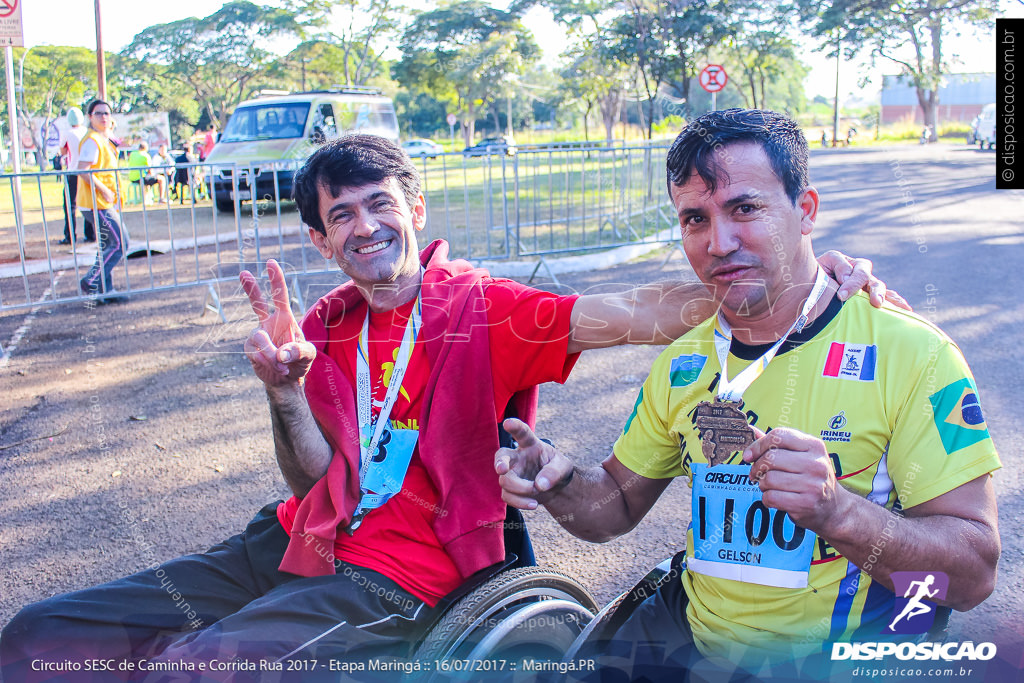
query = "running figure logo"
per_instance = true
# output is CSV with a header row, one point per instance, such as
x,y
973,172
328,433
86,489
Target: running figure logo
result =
x,y
914,609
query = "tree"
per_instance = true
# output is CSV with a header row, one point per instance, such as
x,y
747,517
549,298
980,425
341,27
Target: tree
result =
x,y
886,27
354,53
596,78
692,28
128,93
55,78
639,35
220,57
421,113
464,54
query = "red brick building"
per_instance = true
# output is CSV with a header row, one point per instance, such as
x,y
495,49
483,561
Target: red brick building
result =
x,y
961,98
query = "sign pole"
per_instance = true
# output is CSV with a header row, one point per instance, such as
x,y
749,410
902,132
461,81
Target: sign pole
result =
x,y
12,126
101,69
713,78
11,33
452,120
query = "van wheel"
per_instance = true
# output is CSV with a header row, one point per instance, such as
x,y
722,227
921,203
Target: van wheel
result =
x,y
225,205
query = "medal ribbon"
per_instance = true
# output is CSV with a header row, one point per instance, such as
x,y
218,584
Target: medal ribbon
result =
x,y
733,390
368,445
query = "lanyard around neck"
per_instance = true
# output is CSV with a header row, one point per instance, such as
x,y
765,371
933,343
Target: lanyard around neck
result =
x,y
363,391
733,390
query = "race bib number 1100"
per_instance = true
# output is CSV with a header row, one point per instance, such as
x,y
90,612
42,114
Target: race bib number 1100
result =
x,y
736,536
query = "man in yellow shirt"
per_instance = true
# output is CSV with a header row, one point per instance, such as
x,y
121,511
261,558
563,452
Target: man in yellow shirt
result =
x,y
99,200
831,448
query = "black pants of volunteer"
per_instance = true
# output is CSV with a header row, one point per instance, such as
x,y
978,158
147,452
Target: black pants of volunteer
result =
x,y
228,608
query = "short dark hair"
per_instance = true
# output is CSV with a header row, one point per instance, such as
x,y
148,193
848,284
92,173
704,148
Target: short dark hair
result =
x,y
696,147
351,161
96,103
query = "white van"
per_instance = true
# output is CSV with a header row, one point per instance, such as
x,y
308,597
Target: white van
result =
x,y
269,137
986,133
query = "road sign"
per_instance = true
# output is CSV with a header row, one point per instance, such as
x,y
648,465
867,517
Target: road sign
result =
x,y
11,33
713,78
452,118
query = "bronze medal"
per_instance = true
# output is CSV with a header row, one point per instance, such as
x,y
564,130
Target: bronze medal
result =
x,y
723,430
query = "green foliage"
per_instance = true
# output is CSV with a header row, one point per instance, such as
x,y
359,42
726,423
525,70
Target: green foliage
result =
x,y
222,57
464,53
55,78
468,57
669,126
421,115
595,76
353,55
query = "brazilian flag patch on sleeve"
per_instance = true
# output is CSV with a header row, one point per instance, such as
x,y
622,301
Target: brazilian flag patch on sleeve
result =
x,y
686,369
957,415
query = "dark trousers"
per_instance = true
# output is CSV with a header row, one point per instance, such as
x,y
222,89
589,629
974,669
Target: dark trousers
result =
x,y
229,604
113,244
70,206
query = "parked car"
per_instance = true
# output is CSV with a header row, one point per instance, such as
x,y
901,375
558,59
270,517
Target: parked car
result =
x,y
497,145
987,127
419,147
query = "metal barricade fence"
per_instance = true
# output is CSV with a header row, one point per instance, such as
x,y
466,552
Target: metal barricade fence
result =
x,y
535,203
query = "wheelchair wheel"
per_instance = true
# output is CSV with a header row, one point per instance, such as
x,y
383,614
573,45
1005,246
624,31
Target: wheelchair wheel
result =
x,y
531,613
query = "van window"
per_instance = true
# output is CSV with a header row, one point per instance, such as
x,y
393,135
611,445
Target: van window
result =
x,y
266,122
377,118
324,126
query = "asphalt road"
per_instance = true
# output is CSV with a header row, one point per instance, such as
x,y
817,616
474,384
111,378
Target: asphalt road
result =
x,y
132,434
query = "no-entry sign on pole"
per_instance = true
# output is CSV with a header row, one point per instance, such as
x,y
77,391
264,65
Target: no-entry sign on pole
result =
x,y
713,78
452,120
11,33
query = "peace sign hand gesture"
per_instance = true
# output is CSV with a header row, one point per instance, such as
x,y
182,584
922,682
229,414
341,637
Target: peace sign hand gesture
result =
x,y
279,354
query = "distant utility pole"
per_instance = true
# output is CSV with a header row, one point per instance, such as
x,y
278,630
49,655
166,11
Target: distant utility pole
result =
x,y
835,106
101,69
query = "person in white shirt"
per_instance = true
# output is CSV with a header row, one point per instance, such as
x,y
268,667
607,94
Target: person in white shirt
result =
x,y
68,143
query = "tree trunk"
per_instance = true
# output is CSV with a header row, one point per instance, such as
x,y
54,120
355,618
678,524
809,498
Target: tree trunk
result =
x,y
611,111
586,115
929,103
935,28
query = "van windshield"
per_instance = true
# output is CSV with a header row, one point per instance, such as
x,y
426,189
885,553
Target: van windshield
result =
x,y
267,122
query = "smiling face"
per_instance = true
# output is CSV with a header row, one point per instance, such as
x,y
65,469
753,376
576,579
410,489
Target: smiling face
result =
x,y
371,235
746,241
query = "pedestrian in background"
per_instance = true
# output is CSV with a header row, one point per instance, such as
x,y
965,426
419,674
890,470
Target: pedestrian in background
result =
x,y
209,141
139,159
99,196
68,143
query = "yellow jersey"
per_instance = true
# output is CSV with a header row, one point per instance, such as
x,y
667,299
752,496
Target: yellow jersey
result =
x,y
893,400
107,160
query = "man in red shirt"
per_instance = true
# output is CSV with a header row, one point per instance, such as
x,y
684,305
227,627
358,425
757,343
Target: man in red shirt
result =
x,y
385,404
